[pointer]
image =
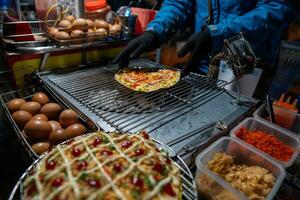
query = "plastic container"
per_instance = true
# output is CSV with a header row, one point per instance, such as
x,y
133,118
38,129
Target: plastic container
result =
x,y
96,9
291,119
243,154
282,134
144,17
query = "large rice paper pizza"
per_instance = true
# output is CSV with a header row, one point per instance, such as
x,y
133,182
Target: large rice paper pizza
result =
x,y
105,167
147,81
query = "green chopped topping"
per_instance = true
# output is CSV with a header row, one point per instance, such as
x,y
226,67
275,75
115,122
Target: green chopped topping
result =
x,y
136,194
148,182
111,147
105,139
83,176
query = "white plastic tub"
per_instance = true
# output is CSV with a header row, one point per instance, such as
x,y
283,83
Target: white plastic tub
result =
x,y
211,184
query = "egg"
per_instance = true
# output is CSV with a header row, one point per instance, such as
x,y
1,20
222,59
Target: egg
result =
x,y
65,24
58,136
31,107
21,117
100,33
52,31
55,125
41,98
40,147
62,35
15,104
70,18
91,24
68,117
101,24
80,24
76,130
75,34
115,29
37,129
51,110
40,117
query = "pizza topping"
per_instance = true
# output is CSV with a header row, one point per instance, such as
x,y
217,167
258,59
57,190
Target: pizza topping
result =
x,y
94,183
32,190
96,142
145,135
57,182
76,152
118,167
139,152
158,168
168,160
169,190
76,174
50,165
137,182
70,141
81,165
106,153
126,144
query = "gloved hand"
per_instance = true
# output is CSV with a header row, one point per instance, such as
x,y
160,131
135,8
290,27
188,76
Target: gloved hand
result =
x,y
198,45
136,47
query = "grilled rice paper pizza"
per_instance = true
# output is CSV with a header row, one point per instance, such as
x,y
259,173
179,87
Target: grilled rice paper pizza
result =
x,y
147,81
105,167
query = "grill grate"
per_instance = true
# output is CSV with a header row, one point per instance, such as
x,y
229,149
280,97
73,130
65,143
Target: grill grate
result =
x,y
129,111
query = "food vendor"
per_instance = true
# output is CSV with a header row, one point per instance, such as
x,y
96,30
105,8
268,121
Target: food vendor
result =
x,y
261,21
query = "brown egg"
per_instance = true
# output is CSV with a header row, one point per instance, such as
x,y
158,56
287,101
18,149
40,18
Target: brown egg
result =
x,y
75,130
40,147
115,29
52,31
91,24
15,104
37,129
68,117
40,117
55,125
31,107
100,33
51,110
101,24
70,18
75,34
58,136
41,98
61,35
21,117
80,24
65,24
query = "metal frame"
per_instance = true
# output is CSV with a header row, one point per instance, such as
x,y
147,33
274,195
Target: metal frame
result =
x,y
27,94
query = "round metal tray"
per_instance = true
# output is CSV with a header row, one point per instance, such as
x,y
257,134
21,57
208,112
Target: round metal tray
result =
x,y
188,184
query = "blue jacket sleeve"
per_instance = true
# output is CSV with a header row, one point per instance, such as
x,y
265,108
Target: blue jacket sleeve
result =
x,y
266,17
171,17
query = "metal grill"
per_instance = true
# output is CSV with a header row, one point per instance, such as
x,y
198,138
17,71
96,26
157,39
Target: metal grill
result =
x,y
128,111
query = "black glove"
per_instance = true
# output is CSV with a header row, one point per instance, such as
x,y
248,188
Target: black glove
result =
x,y
136,47
199,45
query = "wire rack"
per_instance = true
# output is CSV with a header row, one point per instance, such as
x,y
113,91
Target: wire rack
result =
x,y
129,111
188,183
27,94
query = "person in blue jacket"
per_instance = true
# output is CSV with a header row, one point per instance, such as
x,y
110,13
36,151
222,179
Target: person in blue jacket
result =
x,y
261,21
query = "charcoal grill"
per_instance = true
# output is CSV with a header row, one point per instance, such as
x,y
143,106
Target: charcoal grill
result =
x,y
167,115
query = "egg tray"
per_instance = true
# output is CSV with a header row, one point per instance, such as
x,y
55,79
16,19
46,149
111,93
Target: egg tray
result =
x,y
86,39
189,191
27,94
